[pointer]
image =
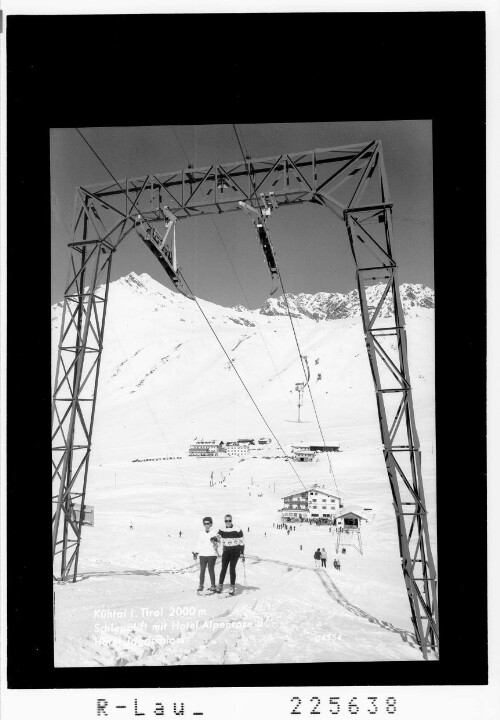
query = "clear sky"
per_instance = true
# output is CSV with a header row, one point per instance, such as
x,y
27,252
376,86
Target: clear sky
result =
x,y
311,244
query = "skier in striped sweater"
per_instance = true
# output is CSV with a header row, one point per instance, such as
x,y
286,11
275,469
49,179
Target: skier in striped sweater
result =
x,y
233,544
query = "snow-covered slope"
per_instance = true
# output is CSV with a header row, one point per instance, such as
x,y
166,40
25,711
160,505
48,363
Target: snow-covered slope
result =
x,y
165,381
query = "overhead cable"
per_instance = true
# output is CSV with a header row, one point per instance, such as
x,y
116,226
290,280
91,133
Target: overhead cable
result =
x,y
247,301
291,320
308,385
241,379
207,320
181,145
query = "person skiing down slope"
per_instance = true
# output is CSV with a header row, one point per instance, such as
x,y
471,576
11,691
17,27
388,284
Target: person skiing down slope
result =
x,y
233,544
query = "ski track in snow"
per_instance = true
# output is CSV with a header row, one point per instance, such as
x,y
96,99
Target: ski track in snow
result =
x,y
299,613
288,632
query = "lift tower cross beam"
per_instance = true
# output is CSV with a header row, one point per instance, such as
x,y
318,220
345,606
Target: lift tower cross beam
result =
x,y
351,182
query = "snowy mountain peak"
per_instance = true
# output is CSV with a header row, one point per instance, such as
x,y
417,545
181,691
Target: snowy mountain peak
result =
x,y
143,283
336,306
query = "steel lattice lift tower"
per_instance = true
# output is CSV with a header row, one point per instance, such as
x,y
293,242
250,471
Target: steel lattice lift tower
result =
x,y
351,182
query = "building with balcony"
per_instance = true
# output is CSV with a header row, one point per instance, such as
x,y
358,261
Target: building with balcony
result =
x,y
314,504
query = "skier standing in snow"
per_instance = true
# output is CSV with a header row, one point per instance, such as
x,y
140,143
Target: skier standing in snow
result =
x,y
207,551
233,544
317,557
323,557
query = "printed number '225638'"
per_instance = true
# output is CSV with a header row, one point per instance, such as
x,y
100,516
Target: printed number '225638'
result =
x,y
364,706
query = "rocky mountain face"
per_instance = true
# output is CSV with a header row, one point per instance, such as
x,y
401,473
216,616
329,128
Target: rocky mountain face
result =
x,y
335,306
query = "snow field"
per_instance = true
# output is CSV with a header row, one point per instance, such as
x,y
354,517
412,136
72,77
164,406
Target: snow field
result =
x,y
298,613
164,381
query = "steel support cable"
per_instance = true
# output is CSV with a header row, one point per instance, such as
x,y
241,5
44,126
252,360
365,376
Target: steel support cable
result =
x,y
248,302
100,159
181,145
240,378
240,142
207,320
291,321
244,156
151,228
305,377
125,193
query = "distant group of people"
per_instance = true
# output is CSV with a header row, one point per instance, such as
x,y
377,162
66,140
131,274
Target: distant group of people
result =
x,y
320,556
233,548
310,521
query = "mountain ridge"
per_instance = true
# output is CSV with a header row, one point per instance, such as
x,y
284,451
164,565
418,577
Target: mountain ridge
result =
x,y
338,306
313,306
164,377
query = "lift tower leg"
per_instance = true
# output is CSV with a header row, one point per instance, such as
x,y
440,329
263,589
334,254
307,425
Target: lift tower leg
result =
x,y
76,378
359,193
385,337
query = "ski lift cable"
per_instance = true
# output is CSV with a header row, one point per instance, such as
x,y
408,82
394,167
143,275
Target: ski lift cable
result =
x,y
248,303
201,310
230,261
240,378
306,378
181,145
291,321
244,155
150,226
172,272
241,138
109,171
99,158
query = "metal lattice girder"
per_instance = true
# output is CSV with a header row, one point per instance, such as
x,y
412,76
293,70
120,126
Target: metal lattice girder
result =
x,y
76,377
370,233
367,212
292,178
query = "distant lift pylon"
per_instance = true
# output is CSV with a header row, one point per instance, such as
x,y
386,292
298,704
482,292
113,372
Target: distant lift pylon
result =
x,y
301,386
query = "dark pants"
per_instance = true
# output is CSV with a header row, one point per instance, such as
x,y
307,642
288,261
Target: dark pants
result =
x,y
229,557
210,561
323,562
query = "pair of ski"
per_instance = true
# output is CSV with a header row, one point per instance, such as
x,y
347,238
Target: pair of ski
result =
x,y
222,593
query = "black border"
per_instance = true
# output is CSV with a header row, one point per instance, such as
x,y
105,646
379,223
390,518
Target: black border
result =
x,y
320,67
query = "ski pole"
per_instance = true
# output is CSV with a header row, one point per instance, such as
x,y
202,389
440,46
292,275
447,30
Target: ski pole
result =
x,y
245,573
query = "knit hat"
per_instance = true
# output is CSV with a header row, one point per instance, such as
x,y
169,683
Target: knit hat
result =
x,y
208,519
